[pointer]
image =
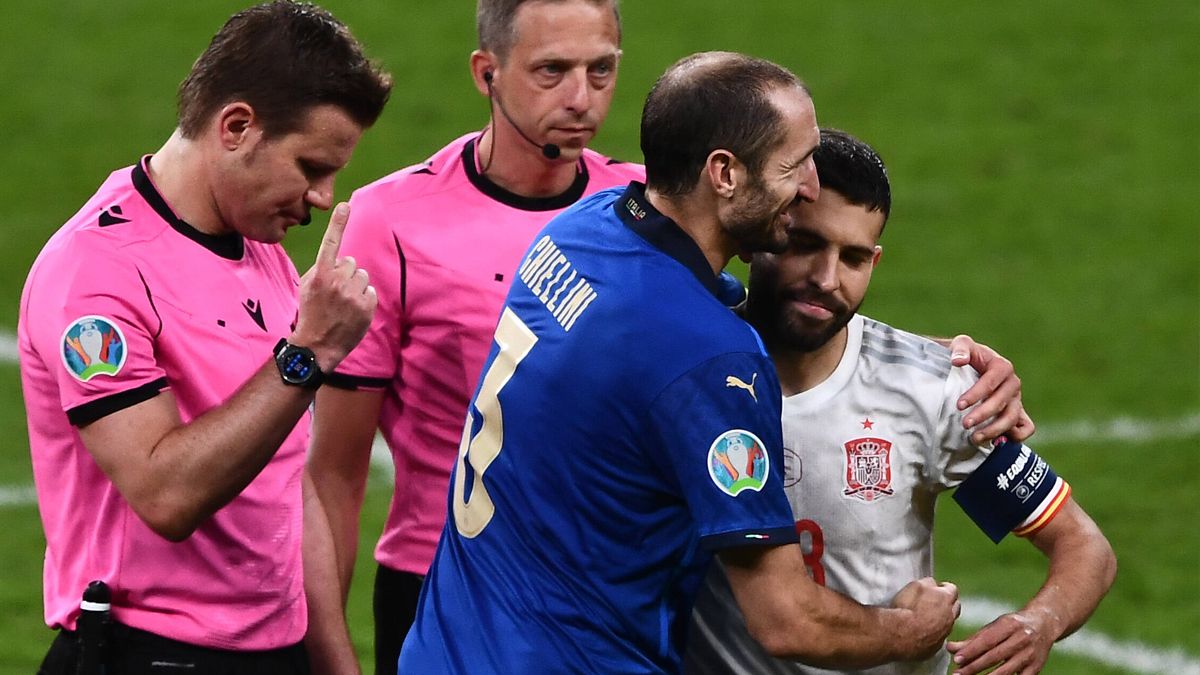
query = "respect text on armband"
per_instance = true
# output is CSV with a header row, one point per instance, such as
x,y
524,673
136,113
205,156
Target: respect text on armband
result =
x,y
553,280
1002,491
1028,484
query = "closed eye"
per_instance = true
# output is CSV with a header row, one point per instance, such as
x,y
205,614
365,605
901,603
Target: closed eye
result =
x,y
857,257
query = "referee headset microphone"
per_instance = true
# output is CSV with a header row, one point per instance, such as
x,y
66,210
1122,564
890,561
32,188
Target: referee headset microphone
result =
x,y
549,150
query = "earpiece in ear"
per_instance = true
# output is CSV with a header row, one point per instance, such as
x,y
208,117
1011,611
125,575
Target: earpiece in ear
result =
x,y
487,76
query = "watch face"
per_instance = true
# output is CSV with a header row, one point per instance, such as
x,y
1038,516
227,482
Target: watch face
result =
x,y
297,366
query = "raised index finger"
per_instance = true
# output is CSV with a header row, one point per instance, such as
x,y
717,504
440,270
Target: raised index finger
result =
x,y
332,241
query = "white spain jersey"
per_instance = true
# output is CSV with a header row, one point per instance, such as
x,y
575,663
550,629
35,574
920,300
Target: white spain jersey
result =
x,y
866,453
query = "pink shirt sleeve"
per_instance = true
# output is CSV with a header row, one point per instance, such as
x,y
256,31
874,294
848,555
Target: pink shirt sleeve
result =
x,y
370,240
96,325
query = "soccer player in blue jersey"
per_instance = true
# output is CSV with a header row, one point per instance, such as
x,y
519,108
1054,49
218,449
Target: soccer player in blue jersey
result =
x,y
627,425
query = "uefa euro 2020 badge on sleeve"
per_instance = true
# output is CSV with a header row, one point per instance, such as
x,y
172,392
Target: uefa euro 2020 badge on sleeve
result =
x,y
91,346
737,461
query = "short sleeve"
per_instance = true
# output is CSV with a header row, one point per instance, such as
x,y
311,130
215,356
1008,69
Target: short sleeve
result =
x,y
95,330
954,455
369,238
719,425
1002,487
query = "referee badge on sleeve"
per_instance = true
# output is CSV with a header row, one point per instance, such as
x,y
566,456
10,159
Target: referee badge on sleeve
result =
x,y
737,461
91,346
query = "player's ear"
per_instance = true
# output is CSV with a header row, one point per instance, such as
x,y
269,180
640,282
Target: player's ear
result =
x,y
483,62
725,173
235,124
877,256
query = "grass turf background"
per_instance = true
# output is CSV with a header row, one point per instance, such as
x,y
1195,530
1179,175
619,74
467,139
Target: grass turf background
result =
x,y
1043,162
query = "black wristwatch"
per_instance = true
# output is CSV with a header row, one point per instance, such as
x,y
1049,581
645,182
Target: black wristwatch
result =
x,y
297,365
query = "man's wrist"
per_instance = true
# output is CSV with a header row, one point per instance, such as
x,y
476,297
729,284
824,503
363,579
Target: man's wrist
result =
x,y
911,641
297,365
327,357
1044,620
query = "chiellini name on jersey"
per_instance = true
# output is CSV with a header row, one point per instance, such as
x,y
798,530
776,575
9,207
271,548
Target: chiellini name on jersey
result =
x,y
545,263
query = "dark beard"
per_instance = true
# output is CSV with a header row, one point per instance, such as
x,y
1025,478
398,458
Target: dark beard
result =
x,y
788,331
752,225
797,336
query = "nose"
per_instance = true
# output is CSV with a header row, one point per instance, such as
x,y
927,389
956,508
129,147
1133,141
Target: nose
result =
x,y
823,272
577,92
810,184
320,194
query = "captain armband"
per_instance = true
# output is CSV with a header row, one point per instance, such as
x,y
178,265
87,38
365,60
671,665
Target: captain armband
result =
x,y
1014,490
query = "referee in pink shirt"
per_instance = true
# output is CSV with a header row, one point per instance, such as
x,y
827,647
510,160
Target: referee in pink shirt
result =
x,y
170,353
443,240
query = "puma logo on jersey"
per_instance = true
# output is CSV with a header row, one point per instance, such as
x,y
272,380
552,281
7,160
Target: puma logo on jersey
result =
x,y
735,381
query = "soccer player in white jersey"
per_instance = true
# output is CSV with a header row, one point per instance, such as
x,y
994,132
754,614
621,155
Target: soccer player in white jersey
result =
x,y
872,436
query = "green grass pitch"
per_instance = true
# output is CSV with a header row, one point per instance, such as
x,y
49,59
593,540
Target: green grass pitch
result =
x,y
1043,159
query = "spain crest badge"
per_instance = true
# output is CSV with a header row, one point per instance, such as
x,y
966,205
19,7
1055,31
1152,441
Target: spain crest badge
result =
x,y
868,469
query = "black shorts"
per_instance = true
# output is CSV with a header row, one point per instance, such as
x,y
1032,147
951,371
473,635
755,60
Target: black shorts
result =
x,y
395,605
137,652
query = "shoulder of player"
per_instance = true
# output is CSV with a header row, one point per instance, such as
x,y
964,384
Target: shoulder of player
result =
x,y
273,254
415,181
606,169
80,259
909,368
705,330
713,365
101,230
916,369
899,349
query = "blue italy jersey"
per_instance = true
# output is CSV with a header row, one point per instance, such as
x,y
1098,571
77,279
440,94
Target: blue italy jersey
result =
x,y
626,425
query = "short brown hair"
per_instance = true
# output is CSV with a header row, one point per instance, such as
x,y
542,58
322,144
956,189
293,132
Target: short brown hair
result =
x,y
494,22
708,101
282,58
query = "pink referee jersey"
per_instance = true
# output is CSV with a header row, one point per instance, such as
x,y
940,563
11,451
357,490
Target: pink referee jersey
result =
x,y
126,300
442,243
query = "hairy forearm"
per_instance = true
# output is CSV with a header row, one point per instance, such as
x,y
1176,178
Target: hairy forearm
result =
x,y
175,475
836,632
218,454
339,460
342,499
1082,568
794,618
328,639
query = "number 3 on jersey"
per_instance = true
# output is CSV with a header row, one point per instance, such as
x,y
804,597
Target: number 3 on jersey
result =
x,y
515,341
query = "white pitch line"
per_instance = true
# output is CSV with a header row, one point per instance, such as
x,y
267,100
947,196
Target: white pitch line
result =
x,y
1131,655
381,457
17,495
8,347
1121,429
1126,429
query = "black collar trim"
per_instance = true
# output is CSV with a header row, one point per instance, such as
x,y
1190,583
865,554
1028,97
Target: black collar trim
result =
x,y
650,224
229,246
487,187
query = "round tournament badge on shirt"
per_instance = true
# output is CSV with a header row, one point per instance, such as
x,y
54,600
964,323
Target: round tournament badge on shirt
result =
x,y
737,461
91,346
